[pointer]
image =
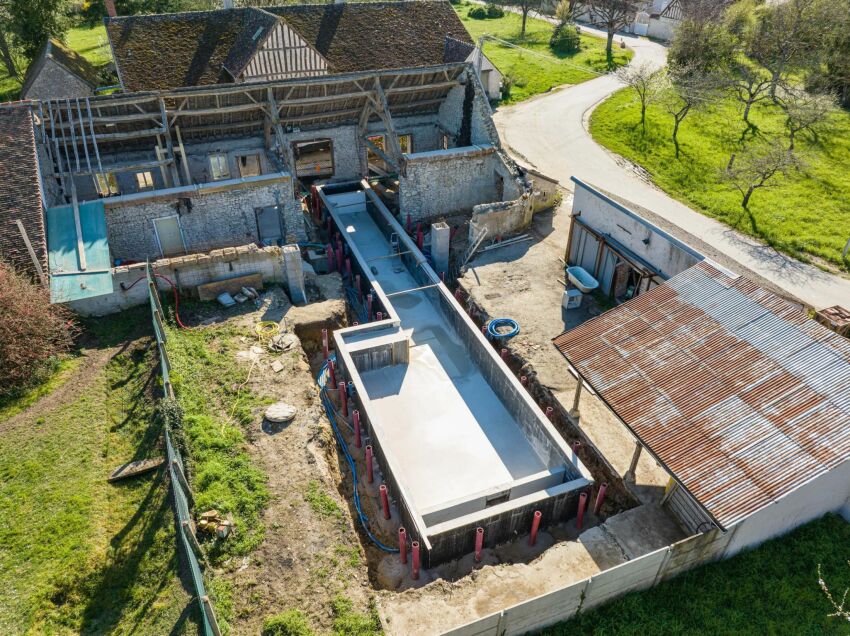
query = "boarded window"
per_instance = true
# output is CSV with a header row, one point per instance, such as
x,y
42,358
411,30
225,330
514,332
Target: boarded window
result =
x,y
169,235
268,225
218,167
313,158
249,166
144,180
106,184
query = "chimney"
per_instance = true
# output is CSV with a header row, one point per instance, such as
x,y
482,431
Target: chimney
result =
x,y
110,8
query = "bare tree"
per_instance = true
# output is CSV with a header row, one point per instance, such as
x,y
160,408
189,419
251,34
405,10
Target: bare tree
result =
x,y
804,111
647,81
611,15
525,7
840,611
750,86
688,89
756,168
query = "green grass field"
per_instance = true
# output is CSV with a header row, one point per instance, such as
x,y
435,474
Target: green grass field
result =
x,y
805,215
78,554
90,42
538,70
770,590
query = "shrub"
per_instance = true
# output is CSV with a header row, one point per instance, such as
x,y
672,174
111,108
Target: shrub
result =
x,y
288,623
33,333
566,38
495,11
478,13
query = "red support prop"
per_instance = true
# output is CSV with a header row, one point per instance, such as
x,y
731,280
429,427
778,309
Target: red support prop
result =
x,y
380,316
343,399
484,329
369,307
414,553
348,268
582,504
420,237
359,288
535,526
523,380
600,498
357,439
504,354
331,257
576,446
385,501
331,373
550,413
340,256
325,344
479,543
370,474
458,295
409,223
402,545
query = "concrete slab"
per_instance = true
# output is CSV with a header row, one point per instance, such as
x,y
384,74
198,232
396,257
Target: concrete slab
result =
x,y
523,282
643,530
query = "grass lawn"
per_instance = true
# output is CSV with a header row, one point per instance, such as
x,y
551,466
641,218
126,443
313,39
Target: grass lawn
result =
x,y
77,554
90,42
538,70
770,590
806,215
58,376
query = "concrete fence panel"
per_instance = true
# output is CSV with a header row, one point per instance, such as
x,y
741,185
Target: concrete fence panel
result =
x,y
559,605
634,575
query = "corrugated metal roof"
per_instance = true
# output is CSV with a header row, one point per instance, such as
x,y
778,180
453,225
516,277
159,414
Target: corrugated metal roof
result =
x,y
737,392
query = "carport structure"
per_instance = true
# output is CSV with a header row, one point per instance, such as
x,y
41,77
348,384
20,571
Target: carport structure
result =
x,y
741,397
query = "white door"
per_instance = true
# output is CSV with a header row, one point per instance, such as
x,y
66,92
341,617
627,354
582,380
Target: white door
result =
x,y
169,235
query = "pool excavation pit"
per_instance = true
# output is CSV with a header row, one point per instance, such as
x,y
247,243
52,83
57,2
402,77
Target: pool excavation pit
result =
x,y
461,445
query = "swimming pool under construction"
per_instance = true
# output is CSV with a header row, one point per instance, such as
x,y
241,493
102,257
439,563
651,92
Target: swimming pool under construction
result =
x,y
460,443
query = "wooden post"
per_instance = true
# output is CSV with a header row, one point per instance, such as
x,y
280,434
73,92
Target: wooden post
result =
x,y
181,478
184,161
175,176
574,412
30,249
210,614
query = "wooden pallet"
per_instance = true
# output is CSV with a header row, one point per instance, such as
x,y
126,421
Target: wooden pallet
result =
x,y
132,469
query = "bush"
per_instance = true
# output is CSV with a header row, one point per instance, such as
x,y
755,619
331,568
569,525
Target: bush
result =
x,y
478,13
33,333
495,11
288,623
566,38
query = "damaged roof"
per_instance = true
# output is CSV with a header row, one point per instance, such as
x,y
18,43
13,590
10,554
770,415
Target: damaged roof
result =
x,y
735,391
160,52
457,50
20,189
72,61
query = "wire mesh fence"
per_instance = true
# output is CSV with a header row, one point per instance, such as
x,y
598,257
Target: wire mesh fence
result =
x,y
177,475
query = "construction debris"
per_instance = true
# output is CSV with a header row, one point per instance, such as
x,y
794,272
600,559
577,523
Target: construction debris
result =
x,y
132,469
212,522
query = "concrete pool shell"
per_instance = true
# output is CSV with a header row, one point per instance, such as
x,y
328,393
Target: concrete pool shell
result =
x,y
459,440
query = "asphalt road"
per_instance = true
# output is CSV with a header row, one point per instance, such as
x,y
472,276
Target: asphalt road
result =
x,y
550,132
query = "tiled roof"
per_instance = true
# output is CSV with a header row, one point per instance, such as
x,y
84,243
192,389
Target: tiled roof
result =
x,y
735,391
457,50
159,52
20,189
70,59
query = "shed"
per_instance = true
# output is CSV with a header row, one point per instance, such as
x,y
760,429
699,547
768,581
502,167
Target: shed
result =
x,y
59,72
741,397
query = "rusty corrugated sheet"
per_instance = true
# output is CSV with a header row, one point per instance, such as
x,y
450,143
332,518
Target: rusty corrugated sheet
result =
x,y
733,389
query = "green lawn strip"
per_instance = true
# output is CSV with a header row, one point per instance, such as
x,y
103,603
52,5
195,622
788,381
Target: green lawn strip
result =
x,y
90,42
542,70
805,215
77,554
208,383
62,371
770,590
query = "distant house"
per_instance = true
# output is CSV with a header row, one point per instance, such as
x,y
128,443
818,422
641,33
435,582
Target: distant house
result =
x,y
59,72
161,52
459,51
665,18
21,209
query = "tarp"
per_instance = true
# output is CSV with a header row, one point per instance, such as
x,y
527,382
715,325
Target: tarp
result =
x,y
67,280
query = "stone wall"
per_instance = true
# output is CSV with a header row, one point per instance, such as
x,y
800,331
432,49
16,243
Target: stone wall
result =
x,y
501,219
216,219
55,81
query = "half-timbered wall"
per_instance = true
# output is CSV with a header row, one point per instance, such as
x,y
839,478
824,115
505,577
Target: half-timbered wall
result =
x,y
285,55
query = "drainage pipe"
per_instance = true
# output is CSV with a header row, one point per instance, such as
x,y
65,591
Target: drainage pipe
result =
x,y
582,504
535,526
370,474
414,550
385,501
402,545
357,440
479,543
600,498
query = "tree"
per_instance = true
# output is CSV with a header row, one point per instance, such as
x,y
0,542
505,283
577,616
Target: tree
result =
x,y
6,50
524,6
839,607
32,332
804,111
757,168
689,89
705,46
785,37
832,74
611,15
566,11
647,81
750,85
32,22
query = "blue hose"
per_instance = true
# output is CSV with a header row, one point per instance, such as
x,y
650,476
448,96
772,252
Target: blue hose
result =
x,y
322,379
502,322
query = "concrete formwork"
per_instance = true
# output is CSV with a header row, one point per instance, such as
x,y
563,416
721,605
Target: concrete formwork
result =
x,y
460,442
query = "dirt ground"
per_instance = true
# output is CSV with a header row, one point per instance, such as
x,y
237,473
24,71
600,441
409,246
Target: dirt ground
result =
x,y
311,553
